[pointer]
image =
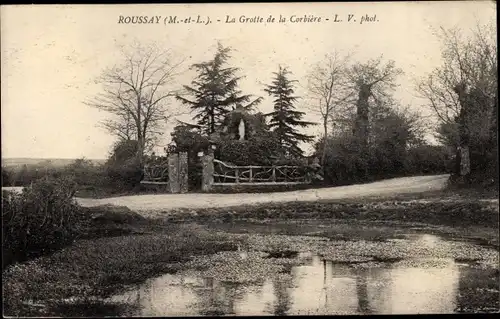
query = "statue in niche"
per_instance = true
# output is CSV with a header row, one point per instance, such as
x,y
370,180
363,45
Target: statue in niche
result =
x,y
241,125
241,130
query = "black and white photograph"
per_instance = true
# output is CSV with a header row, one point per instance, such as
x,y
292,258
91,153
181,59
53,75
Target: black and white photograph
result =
x,y
249,159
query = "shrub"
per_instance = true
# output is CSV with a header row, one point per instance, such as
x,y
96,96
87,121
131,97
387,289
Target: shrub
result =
x,y
6,177
123,167
344,163
24,175
86,173
258,150
39,220
427,159
27,174
125,176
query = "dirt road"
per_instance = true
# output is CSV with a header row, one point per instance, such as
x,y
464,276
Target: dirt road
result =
x,y
387,187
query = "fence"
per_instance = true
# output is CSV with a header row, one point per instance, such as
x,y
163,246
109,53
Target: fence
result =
x,y
217,173
173,174
284,174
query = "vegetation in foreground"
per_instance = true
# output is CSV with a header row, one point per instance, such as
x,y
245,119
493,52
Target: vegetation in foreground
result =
x,y
89,252
53,250
74,280
456,212
99,267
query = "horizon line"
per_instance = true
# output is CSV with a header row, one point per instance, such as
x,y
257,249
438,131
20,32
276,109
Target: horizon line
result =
x,y
52,158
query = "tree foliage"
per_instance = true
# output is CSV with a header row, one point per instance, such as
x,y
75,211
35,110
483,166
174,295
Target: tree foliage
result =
x,y
285,120
215,91
373,82
395,144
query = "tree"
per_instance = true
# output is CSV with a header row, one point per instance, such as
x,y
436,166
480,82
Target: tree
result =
x,y
462,93
136,94
396,141
370,80
284,119
328,91
215,91
393,132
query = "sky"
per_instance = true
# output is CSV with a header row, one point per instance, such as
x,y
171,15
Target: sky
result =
x,y
52,54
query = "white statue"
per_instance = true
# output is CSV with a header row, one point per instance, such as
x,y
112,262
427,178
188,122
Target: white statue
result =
x,y
241,130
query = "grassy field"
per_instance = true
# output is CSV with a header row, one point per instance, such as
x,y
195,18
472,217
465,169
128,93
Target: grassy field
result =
x,y
429,208
123,248
51,162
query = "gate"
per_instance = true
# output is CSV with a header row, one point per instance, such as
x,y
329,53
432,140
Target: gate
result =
x,y
171,173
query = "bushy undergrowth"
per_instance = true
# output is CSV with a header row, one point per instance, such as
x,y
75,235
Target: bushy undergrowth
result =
x,y
126,176
254,151
39,220
345,163
102,267
91,179
449,213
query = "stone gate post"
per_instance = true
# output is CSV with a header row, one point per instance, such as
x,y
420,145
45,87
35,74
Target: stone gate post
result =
x,y
183,172
208,172
173,173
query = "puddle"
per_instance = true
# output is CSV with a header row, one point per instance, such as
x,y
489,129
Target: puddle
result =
x,y
425,274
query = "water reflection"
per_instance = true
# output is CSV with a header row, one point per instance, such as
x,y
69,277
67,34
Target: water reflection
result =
x,y
323,287
418,290
281,291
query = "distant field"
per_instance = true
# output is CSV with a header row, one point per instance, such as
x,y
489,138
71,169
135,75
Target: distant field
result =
x,y
51,162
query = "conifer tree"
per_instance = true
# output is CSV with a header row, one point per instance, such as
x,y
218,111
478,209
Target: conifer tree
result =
x,y
285,120
215,91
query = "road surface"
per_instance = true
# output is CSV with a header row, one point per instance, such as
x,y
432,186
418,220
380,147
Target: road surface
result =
x,y
159,202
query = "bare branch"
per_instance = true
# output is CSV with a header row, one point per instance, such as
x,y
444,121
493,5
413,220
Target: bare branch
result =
x,y
136,94
465,61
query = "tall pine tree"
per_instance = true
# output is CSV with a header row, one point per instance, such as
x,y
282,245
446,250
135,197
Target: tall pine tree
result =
x,y
215,91
284,120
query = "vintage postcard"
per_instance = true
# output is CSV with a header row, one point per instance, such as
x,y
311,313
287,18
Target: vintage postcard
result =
x,y
249,159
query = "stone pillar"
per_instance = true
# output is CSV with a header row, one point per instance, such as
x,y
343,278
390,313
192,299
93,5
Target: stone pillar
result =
x,y
208,172
173,173
183,172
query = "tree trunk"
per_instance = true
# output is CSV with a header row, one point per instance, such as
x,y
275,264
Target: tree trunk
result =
x,y
325,141
140,151
462,158
140,136
494,135
362,292
361,124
